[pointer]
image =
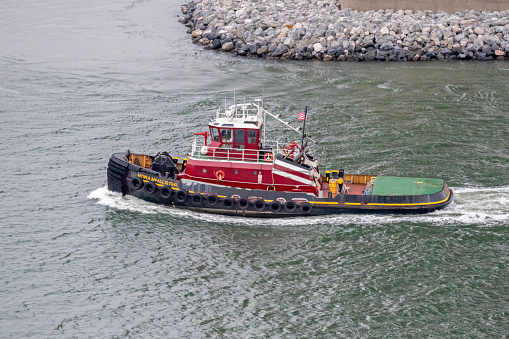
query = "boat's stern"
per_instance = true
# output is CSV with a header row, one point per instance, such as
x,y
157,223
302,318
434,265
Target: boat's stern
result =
x,y
116,173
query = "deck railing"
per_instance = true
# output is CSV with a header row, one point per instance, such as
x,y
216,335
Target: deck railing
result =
x,y
244,111
266,155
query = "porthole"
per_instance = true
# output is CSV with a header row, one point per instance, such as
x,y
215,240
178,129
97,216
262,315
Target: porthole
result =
x,y
236,172
255,172
204,170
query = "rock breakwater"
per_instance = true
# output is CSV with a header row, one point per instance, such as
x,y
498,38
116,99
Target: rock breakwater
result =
x,y
315,29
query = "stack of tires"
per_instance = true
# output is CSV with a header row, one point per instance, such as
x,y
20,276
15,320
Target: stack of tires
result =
x,y
181,197
116,176
242,204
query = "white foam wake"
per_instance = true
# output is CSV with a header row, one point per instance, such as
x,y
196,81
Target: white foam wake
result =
x,y
471,206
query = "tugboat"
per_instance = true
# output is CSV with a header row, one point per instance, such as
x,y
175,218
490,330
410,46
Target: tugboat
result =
x,y
233,170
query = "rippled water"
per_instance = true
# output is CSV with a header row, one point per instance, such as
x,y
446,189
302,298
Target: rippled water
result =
x,y
79,82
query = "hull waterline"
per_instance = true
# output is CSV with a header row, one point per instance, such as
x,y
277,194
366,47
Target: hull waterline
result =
x,y
131,179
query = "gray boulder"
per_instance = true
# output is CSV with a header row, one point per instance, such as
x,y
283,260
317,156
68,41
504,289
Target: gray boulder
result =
x,y
387,46
280,50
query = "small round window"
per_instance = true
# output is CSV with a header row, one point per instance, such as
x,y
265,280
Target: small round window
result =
x,y
236,172
255,172
204,170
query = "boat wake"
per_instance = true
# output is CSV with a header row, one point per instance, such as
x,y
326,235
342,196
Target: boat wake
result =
x,y
486,207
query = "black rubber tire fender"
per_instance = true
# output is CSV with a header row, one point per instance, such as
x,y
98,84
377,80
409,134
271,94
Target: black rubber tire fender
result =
x,y
115,187
115,180
290,206
212,200
259,204
181,197
228,203
196,199
275,206
114,174
166,192
306,208
137,183
243,203
116,168
150,188
119,162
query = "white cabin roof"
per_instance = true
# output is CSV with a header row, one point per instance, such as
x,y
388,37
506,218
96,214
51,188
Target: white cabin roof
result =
x,y
247,115
234,123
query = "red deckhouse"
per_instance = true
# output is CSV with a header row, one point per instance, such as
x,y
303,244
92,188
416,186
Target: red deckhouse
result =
x,y
239,156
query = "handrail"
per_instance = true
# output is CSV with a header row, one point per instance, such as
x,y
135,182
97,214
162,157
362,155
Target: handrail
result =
x,y
237,153
252,155
239,111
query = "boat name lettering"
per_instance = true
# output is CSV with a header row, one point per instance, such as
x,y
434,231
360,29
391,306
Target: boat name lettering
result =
x,y
159,181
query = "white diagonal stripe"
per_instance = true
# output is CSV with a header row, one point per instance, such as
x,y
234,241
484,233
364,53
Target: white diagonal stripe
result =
x,y
293,177
292,167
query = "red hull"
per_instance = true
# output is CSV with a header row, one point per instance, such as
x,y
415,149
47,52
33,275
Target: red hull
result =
x,y
274,176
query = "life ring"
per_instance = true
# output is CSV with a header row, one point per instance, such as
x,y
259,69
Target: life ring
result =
x,y
150,188
243,203
290,206
268,157
137,183
166,192
219,175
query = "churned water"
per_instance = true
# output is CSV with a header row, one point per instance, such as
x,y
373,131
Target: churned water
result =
x,y
81,81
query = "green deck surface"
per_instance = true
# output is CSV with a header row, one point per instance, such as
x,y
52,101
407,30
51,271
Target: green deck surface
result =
x,y
390,186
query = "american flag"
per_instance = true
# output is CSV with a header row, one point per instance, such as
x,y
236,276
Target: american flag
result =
x,y
302,116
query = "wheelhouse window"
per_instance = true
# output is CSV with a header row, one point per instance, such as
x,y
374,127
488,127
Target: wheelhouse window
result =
x,y
214,133
251,137
239,136
226,135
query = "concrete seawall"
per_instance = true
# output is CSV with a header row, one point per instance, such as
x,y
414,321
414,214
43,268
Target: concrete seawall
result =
x,y
450,6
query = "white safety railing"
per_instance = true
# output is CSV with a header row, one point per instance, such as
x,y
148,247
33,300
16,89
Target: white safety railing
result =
x,y
200,151
243,111
266,156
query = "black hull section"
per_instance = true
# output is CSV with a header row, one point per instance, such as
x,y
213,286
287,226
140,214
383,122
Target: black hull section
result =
x,y
152,186
116,174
